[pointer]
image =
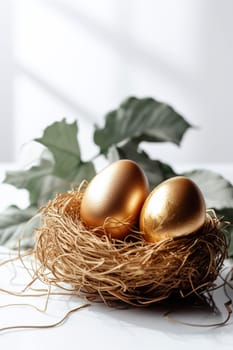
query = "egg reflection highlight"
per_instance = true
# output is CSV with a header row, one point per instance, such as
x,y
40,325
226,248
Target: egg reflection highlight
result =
x,y
113,199
174,208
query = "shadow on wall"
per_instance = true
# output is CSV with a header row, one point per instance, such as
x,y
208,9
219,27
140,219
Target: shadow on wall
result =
x,y
123,44
208,85
206,82
55,92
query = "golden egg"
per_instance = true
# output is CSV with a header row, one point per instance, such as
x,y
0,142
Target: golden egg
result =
x,y
174,208
114,197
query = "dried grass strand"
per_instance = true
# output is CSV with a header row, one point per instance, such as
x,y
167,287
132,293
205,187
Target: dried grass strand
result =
x,y
55,324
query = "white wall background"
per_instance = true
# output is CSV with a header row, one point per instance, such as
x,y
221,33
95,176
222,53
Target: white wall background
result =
x,y
80,58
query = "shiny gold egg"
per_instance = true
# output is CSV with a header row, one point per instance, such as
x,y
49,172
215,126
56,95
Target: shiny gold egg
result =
x,y
114,197
174,208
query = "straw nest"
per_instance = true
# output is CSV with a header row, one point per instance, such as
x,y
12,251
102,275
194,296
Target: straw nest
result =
x,y
133,271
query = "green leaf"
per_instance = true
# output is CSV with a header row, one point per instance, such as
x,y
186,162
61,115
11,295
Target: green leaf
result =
x,y
31,179
39,180
24,178
59,167
155,170
42,184
61,140
14,224
86,171
217,191
143,120
50,185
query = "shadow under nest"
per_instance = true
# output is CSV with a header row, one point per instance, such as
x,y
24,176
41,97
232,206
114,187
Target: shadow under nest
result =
x,y
133,271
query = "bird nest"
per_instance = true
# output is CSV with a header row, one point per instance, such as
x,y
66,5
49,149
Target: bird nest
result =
x,y
132,270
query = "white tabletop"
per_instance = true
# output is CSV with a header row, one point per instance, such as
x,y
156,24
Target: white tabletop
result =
x,y
98,326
